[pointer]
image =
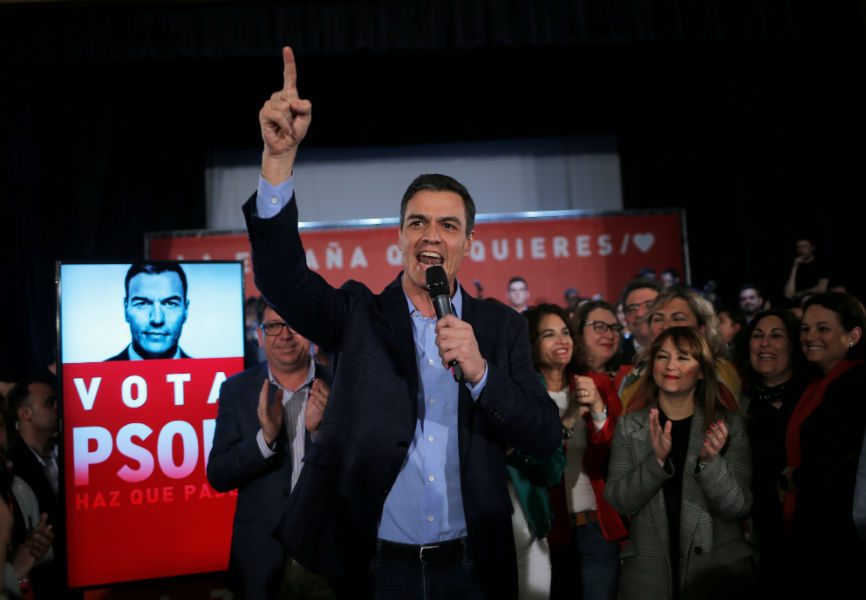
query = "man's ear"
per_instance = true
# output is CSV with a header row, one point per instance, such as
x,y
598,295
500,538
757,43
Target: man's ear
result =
x,y
469,239
125,308
25,413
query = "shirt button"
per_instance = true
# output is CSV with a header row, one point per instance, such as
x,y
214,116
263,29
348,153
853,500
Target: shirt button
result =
x,y
430,326
430,438
432,400
431,362
430,519
431,479
274,200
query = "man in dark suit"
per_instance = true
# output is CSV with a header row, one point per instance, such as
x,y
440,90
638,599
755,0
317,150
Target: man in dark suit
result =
x,y
262,430
404,486
155,306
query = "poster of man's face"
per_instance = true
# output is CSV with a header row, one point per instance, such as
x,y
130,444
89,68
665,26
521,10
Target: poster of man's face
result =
x,y
155,307
151,310
144,350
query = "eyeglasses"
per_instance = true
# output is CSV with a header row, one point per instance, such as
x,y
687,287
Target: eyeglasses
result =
x,y
275,327
600,327
632,308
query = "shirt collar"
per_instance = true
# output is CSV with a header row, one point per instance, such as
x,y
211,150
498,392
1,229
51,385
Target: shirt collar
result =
x,y
456,301
43,461
133,355
311,374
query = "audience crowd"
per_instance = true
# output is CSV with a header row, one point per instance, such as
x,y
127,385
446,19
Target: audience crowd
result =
x,y
708,449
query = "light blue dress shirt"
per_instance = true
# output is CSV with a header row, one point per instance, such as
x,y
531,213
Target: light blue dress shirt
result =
x,y
425,504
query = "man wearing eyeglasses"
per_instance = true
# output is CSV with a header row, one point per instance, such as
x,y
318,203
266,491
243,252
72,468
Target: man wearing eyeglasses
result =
x,y
636,298
266,415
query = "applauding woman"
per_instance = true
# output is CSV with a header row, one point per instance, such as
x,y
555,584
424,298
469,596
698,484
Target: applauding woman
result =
x,y
583,554
680,467
683,307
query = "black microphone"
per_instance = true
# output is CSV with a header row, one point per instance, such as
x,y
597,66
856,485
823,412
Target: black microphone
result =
x,y
440,293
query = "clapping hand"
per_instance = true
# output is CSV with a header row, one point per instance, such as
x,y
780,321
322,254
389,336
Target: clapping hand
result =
x,y
316,404
661,437
714,441
270,413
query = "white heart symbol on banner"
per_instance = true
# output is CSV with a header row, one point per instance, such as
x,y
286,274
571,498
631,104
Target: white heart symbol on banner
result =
x,y
644,241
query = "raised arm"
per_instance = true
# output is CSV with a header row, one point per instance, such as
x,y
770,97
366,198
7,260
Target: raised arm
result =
x,y
284,120
299,295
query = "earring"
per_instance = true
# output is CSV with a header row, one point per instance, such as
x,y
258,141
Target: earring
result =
x,y
851,344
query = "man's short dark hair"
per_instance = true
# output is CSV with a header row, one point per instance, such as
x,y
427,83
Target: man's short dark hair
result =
x,y
639,284
155,268
750,286
435,182
516,279
18,396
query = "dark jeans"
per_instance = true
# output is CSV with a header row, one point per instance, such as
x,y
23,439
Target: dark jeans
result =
x,y
588,568
411,580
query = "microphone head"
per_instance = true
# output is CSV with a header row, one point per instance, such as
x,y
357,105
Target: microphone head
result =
x,y
437,281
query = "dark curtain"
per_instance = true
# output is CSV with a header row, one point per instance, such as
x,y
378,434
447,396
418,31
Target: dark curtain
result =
x,y
69,32
749,114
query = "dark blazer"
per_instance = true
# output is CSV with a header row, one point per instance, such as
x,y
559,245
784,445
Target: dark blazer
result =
x,y
830,441
28,468
372,413
124,355
235,462
46,577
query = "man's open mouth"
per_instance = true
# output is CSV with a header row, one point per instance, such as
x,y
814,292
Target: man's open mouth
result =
x,y
430,258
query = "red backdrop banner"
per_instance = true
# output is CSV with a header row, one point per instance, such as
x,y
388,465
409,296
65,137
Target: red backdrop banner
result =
x,y
135,452
595,254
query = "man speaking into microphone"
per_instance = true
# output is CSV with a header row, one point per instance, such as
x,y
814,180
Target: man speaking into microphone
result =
x,y
403,489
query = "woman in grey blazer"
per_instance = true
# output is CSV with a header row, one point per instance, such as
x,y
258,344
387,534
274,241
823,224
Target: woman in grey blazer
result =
x,y
680,468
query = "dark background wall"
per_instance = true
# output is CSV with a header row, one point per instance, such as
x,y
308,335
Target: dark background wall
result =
x,y
749,114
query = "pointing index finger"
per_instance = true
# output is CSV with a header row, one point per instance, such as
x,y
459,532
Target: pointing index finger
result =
x,y
290,73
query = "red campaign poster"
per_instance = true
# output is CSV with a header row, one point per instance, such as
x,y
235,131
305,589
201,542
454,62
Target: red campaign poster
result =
x,y
594,254
144,349
138,502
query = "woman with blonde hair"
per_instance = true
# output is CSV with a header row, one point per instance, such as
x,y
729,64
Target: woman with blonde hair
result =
x,y
684,307
680,467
